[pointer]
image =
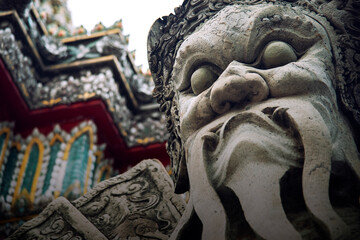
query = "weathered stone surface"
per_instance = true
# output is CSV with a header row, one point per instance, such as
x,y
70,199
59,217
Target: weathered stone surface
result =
x,y
250,89
138,204
59,220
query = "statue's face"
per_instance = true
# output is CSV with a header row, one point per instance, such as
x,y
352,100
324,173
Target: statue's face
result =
x,y
250,57
256,99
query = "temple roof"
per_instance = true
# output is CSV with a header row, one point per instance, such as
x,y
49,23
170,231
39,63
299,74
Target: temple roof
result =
x,y
89,74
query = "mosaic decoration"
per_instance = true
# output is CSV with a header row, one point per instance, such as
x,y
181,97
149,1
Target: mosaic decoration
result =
x,y
54,149
100,83
29,172
38,174
10,167
77,171
56,16
5,136
103,171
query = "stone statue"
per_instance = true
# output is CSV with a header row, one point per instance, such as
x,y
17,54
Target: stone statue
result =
x,y
262,102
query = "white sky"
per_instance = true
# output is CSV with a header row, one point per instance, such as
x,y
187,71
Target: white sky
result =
x,y
137,17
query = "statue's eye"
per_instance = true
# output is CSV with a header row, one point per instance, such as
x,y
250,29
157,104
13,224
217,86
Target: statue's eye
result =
x,y
202,78
277,54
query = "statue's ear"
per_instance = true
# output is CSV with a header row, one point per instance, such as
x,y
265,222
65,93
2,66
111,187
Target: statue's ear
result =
x,y
154,35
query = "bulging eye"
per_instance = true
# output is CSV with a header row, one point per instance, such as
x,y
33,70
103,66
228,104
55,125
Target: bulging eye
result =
x,y
277,54
202,78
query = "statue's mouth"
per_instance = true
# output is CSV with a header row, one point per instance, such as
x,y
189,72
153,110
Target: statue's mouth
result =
x,y
270,118
268,114
247,131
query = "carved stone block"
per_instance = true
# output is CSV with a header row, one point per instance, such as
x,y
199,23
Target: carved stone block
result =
x,y
59,220
139,204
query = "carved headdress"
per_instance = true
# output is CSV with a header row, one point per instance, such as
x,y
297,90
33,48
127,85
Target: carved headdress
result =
x,y
341,18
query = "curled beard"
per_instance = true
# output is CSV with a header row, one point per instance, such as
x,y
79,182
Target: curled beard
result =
x,y
249,153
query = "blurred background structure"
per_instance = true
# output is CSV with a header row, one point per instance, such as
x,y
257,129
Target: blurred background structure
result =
x,y
74,108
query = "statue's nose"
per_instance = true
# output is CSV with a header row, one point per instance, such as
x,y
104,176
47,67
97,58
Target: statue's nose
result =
x,y
238,84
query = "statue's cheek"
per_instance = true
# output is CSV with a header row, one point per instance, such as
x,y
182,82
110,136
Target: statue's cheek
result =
x,y
295,79
195,112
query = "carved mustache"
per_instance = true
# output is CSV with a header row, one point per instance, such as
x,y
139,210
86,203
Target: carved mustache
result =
x,y
262,196
240,129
